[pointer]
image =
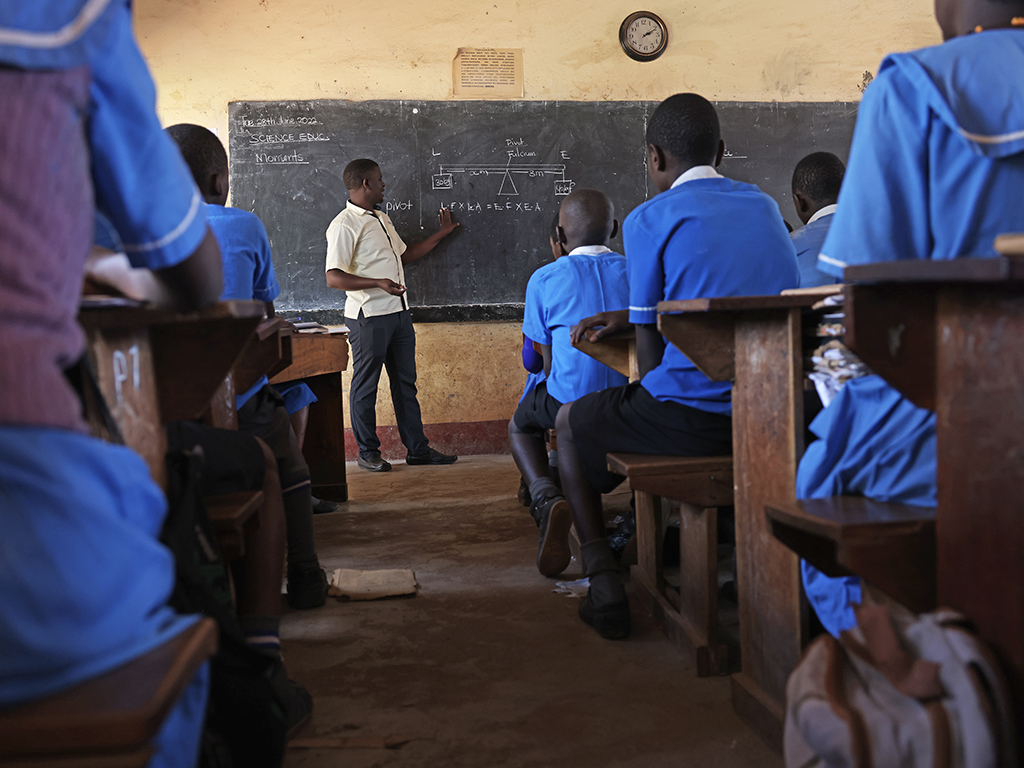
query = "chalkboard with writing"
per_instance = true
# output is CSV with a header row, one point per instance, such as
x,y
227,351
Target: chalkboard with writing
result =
x,y
502,167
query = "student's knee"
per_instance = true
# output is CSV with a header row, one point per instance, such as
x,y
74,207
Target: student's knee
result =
x,y
270,475
562,424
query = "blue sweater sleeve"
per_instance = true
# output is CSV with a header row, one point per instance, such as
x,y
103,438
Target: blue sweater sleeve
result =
x,y
532,360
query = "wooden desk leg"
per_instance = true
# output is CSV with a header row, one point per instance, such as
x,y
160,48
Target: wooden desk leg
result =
x,y
324,447
980,421
767,444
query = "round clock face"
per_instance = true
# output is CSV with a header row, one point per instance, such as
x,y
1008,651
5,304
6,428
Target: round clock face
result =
x,y
643,36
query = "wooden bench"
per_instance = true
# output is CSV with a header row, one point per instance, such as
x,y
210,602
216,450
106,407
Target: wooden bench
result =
x,y
107,721
689,614
229,515
891,546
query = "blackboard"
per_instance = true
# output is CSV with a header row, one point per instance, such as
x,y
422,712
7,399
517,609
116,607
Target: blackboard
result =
x,y
502,167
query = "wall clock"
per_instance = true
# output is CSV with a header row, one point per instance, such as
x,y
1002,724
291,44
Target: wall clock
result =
x,y
643,36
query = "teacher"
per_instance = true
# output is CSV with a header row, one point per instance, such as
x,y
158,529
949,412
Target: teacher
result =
x,y
366,258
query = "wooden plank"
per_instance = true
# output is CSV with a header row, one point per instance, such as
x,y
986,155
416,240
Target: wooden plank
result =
x,y
891,327
615,351
892,546
636,465
741,303
984,270
229,515
980,420
708,340
117,712
122,358
268,351
767,444
314,354
698,583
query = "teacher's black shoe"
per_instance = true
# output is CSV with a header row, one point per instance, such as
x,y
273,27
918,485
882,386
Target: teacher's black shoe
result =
x,y
430,457
373,463
612,621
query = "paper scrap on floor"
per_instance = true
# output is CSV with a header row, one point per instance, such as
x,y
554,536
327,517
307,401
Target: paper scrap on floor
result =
x,y
576,588
371,585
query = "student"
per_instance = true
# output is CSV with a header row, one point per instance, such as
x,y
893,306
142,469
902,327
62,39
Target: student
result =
x,y
533,362
590,278
702,235
936,172
816,182
366,258
249,274
84,583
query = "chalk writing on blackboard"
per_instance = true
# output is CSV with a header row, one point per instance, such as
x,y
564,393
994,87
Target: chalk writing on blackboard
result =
x,y
515,149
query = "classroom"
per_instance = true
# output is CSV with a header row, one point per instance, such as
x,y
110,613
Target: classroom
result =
x,y
768,524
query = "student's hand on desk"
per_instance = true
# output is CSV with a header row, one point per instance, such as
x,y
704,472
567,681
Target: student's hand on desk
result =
x,y
606,324
390,286
445,224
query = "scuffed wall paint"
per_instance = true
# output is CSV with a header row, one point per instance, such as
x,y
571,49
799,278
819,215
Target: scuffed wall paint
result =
x,y
204,54
467,372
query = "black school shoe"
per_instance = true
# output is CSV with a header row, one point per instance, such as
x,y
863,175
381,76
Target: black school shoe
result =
x,y
430,457
323,507
373,463
555,519
612,622
307,587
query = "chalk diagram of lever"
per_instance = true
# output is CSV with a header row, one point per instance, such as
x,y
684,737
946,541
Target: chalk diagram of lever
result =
x,y
445,177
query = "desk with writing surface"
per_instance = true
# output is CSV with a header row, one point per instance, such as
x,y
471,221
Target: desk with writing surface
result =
x,y
755,341
948,335
319,359
617,351
156,366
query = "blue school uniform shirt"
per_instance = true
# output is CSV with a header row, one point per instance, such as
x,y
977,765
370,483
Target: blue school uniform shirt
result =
x,y
588,280
936,169
808,241
141,184
707,236
248,265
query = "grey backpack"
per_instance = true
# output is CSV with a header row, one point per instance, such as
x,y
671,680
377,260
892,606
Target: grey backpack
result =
x,y
921,693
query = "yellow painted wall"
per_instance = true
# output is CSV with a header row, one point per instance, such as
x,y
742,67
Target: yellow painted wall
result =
x,y
205,53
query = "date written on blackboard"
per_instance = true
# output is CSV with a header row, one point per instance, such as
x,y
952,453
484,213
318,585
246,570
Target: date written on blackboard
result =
x,y
264,122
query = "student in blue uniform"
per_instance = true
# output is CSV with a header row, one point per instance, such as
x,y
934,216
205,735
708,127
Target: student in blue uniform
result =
x,y
84,583
702,235
249,274
936,171
816,182
590,278
533,362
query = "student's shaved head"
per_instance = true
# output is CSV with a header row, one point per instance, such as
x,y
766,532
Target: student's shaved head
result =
x,y
819,177
202,151
587,217
686,125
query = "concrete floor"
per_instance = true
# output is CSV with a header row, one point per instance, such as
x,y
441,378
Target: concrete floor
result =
x,y
486,666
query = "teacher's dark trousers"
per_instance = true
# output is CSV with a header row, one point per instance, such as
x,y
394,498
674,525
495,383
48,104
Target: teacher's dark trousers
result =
x,y
388,341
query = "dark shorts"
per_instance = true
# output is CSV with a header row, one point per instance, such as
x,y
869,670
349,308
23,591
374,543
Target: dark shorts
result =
x,y
231,461
536,411
630,420
264,416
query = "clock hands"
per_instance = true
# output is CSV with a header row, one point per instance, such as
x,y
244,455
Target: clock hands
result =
x,y
645,34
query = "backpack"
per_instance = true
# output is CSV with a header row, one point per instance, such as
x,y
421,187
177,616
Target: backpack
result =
x,y
914,693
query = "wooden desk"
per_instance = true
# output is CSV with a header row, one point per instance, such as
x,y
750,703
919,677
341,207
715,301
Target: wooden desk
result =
x,y
319,359
617,351
158,366
948,335
755,341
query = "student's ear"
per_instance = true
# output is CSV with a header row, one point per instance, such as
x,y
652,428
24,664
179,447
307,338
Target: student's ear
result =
x,y
802,204
562,239
721,152
219,184
656,158
615,229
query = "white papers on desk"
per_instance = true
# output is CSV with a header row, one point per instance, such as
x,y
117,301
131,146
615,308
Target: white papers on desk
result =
x,y
834,365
